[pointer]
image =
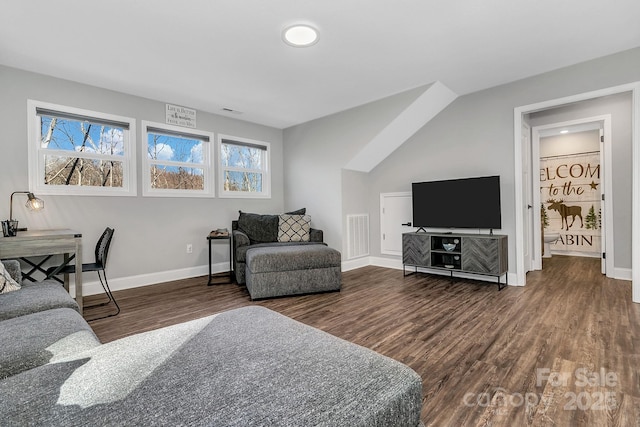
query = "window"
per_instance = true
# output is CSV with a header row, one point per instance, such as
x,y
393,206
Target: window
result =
x,y
244,168
74,151
176,161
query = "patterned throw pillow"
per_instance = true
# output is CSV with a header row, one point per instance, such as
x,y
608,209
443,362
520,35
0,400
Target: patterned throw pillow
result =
x,y
294,228
7,284
262,228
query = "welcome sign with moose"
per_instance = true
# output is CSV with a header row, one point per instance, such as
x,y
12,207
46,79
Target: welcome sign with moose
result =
x,y
571,202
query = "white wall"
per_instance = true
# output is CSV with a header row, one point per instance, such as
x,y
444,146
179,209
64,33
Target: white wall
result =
x,y
571,143
151,233
473,136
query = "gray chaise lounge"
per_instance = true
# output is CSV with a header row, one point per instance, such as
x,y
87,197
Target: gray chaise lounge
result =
x,y
244,367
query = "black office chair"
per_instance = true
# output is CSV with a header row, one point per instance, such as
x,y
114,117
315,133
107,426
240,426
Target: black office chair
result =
x,y
101,252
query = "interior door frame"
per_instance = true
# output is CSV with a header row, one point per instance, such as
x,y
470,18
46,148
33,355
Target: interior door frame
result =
x,y
603,123
527,206
518,112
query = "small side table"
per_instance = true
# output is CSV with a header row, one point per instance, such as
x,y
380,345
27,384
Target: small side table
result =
x,y
211,237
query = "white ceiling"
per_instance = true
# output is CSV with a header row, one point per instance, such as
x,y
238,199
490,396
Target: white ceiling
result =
x,y
210,54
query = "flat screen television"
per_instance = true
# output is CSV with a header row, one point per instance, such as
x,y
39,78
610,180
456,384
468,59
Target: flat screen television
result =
x,y
457,203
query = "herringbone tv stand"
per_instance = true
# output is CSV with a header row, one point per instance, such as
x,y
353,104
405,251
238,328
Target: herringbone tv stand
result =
x,y
483,254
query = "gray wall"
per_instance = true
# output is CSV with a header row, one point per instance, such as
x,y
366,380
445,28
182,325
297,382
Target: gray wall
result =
x,y
151,233
315,153
472,136
620,108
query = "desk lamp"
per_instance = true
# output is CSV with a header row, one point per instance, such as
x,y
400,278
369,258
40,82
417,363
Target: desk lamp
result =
x,y
33,204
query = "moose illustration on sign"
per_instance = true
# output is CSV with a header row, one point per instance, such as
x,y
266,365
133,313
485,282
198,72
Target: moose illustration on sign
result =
x,y
565,212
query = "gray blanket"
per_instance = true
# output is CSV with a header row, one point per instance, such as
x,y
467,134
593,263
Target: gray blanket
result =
x,y
245,367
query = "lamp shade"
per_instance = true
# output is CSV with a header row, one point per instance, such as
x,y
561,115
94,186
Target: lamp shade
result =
x,y
34,203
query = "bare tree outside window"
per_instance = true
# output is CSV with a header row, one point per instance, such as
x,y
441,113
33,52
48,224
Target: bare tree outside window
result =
x,y
81,153
175,163
243,167
73,151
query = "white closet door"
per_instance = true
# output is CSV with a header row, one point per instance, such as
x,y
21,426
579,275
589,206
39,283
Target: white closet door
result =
x,y
395,210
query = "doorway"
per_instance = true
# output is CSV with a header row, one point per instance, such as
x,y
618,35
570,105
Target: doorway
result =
x,y
634,159
571,215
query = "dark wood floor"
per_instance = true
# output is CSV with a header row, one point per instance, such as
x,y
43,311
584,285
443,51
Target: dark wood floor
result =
x,y
563,351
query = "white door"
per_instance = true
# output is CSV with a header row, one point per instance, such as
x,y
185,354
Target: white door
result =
x,y
527,197
603,210
603,123
396,214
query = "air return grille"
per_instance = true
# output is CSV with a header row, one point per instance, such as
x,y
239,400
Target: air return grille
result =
x,y
357,235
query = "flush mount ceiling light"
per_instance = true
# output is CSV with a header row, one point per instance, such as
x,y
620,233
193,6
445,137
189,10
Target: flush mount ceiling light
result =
x,y
300,35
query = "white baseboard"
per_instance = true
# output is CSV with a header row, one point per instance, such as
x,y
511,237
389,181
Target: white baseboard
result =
x,y
352,264
395,263
621,274
513,277
93,287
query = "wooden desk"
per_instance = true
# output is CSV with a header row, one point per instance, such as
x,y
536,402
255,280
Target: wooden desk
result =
x,y
47,242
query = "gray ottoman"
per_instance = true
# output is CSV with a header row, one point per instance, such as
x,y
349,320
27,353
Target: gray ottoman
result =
x,y
291,270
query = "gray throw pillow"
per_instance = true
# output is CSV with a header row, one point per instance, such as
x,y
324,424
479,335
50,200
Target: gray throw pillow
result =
x,y
302,211
262,228
259,228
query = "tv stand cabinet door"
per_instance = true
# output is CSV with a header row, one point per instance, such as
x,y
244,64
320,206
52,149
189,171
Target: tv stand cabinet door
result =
x,y
416,249
481,255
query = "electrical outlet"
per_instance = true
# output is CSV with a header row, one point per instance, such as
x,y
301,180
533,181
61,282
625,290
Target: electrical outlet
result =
x,y
189,248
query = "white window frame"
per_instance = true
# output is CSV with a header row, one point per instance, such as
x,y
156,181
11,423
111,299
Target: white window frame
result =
x,y
265,171
207,163
37,154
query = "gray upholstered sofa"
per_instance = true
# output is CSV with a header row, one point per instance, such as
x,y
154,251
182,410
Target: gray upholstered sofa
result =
x,y
251,231
280,255
38,321
245,367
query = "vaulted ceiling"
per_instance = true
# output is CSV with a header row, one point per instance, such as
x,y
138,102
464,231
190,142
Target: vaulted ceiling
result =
x,y
215,54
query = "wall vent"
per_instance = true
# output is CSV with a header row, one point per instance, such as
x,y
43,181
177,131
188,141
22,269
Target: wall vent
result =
x,y
357,235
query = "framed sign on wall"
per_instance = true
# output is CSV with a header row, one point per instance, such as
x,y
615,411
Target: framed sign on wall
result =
x,y
181,116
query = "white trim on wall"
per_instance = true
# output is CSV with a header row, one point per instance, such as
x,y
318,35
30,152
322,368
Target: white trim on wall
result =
x,y
518,112
635,213
120,283
588,123
36,155
208,165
